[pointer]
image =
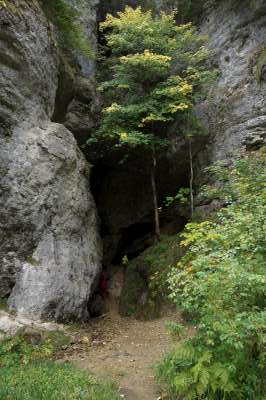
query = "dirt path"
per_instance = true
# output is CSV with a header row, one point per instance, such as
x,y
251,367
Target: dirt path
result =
x,y
124,350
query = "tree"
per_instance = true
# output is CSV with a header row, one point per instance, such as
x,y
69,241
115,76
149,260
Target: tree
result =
x,y
151,80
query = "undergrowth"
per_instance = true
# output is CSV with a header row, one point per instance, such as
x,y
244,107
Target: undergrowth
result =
x,y
51,381
221,283
28,373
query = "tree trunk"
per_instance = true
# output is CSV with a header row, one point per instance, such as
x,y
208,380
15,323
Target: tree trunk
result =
x,y
154,194
191,180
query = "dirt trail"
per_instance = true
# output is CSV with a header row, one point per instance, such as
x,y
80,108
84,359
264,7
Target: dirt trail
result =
x,y
124,350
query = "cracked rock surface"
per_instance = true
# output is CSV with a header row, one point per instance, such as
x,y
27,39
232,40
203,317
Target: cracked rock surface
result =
x,y
50,251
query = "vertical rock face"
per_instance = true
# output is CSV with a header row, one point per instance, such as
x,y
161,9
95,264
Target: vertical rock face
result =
x,y
28,65
81,112
87,10
50,252
52,203
235,112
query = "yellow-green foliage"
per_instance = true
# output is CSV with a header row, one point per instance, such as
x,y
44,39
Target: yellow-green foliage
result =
x,y
27,347
12,8
153,74
221,282
3,304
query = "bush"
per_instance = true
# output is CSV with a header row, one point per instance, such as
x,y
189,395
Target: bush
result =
x,y
221,281
27,347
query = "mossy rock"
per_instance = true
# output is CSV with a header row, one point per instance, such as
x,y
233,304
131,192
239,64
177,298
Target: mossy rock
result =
x,y
261,66
33,261
145,288
3,304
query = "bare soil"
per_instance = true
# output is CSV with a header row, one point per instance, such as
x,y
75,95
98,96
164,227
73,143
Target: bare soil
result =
x,y
124,350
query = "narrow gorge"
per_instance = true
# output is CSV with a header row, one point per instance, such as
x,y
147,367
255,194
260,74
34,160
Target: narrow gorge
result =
x,y
72,212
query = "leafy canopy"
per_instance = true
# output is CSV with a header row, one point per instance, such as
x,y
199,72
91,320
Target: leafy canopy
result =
x,y
221,281
153,73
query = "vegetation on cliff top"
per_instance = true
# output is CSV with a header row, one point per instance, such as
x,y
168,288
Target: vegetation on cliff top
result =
x,y
67,20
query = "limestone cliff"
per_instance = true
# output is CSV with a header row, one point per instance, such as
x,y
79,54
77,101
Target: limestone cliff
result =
x,y
50,251
233,116
234,113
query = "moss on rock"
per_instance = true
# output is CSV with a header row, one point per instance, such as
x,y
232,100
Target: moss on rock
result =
x,y
261,65
145,288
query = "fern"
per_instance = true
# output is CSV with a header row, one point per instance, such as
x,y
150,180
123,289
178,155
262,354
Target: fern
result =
x,y
221,281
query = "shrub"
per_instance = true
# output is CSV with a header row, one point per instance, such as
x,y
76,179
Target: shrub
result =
x,y
221,281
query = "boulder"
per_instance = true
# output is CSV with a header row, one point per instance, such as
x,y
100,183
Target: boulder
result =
x,y
50,223
50,251
10,325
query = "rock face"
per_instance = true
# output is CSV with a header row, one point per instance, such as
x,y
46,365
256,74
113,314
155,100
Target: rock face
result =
x,y
50,252
82,111
28,65
52,206
235,112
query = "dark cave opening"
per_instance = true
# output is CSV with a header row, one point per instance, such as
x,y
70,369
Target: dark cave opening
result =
x,y
134,240
135,232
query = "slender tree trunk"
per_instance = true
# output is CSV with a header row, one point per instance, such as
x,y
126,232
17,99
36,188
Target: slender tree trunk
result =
x,y
154,194
191,180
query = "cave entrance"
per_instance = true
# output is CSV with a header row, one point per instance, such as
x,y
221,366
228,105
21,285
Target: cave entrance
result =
x,y
134,240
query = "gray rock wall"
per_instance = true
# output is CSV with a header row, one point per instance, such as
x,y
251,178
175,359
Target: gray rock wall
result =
x,y
50,195
29,65
50,251
234,114
82,110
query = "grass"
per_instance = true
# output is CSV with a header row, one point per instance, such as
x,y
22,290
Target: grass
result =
x,y
48,380
28,373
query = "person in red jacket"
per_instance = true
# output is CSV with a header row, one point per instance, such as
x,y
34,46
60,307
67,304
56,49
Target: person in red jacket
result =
x,y
103,286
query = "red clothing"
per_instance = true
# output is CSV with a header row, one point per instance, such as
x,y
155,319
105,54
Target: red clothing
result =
x,y
103,287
